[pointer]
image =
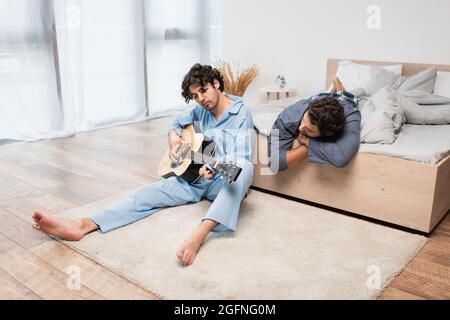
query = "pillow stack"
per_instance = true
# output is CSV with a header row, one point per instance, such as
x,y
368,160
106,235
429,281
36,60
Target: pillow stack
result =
x,y
420,87
393,99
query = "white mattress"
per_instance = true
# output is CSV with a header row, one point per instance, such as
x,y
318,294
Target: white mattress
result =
x,y
422,143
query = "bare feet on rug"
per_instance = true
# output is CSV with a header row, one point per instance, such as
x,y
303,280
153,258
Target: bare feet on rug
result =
x,y
191,245
72,230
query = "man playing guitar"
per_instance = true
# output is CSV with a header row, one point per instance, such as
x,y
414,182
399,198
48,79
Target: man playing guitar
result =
x,y
226,121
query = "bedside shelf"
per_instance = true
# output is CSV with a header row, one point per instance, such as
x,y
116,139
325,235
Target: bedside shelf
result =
x,y
277,90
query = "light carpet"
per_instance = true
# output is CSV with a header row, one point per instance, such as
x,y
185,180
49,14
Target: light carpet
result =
x,y
282,250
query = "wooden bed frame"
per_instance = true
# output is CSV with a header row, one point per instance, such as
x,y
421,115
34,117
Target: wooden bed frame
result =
x,y
402,192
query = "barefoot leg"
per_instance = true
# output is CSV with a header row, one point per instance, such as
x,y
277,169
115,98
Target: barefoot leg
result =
x,y
66,229
339,85
333,86
191,245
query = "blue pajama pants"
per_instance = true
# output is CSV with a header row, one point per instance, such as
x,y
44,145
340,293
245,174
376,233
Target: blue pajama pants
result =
x,y
176,191
341,95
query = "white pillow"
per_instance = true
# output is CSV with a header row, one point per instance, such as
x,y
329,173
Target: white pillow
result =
x,y
442,84
379,78
355,75
381,118
417,114
395,68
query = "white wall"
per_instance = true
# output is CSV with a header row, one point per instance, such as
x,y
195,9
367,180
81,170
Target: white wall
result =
x,y
295,37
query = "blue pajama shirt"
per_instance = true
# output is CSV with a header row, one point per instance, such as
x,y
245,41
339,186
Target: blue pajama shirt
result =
x,y
234,137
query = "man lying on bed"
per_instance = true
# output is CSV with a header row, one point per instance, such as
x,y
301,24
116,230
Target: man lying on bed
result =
x,y
326,126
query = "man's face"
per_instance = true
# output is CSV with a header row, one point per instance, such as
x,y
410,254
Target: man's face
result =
x,y
207,96
307,128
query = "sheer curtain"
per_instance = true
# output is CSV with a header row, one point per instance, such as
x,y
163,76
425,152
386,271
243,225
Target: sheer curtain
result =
x,y
179,33
29,104
101,62
73,65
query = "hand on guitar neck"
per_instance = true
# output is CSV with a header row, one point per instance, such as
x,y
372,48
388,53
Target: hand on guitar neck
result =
x,y
206,173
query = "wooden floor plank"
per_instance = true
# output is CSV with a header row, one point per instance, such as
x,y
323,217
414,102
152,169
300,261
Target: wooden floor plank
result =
x,y
421,286
430,270
437,250
392,293
77,162
29,176
90,150
11,289
94,276
444,227
16,155
20,230
5,194
23,207
56,202
38,276
111,147
16,186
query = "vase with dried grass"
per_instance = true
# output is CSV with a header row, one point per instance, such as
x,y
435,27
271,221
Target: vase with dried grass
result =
x,y
236,85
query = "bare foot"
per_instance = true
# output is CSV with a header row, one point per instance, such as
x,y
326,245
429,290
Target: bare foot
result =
x,y
72,230
191,245
339,86
188,251
333,86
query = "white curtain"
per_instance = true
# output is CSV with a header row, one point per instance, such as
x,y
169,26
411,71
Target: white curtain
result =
x,y
101,62
29,103
179,33
73,65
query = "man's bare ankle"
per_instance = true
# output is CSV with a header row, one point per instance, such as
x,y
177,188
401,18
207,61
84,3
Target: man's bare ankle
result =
x,y
88,225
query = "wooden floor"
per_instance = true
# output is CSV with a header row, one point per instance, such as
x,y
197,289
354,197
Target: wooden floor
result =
x,y
65,173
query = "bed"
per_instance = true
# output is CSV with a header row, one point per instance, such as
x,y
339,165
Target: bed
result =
x,y
399,191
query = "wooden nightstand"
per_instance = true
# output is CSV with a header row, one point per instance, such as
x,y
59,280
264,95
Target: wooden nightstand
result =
x,y
277,91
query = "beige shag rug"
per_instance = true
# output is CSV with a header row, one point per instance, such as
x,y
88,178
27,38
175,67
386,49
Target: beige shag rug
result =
x,y
282,250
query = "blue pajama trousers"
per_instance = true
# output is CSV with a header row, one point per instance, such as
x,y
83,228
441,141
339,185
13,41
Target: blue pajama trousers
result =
x,y
341,95
176,191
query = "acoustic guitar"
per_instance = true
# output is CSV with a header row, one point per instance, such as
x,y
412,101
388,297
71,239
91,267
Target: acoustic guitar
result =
x,y
192,155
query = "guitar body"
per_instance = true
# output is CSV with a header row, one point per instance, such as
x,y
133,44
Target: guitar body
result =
x,y
188,169
197,151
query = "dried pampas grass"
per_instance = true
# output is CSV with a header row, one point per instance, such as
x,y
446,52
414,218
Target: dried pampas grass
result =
x,y
236,86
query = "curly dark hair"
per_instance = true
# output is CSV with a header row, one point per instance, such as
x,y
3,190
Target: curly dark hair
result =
x,y
328,115
200,75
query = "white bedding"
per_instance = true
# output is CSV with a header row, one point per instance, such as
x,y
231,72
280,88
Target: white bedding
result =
x,y
422,143
384,113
